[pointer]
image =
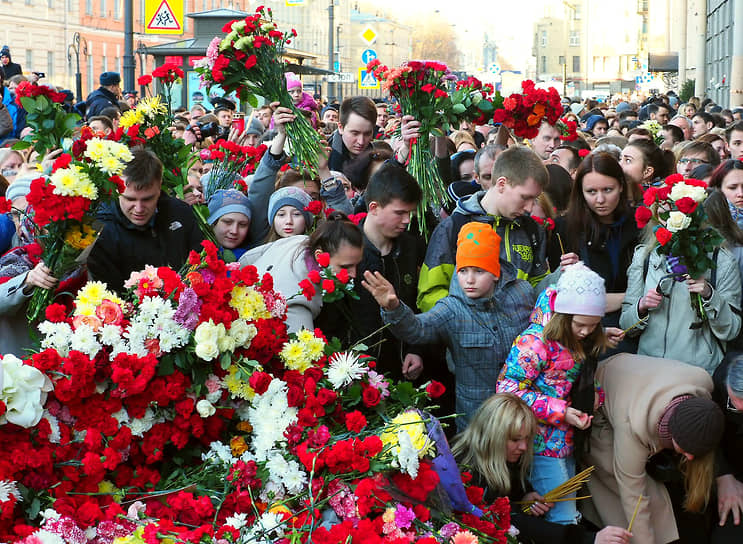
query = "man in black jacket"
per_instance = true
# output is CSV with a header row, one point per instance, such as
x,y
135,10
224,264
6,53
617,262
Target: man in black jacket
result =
x,y
356,124
7,65
105,96
146,226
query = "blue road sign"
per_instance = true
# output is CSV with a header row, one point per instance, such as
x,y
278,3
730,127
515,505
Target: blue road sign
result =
x,y
336,66
368,55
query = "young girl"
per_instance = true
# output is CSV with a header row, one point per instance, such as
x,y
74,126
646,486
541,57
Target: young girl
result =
x,y
287,214
497,448
643,164
551,367
728,178
229,216
600,230
290,259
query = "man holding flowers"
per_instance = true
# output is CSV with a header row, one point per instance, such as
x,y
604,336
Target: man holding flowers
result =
x,y
145,226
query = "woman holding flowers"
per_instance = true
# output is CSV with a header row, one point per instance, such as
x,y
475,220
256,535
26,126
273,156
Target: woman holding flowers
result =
x,y
497,448
296,261
683,290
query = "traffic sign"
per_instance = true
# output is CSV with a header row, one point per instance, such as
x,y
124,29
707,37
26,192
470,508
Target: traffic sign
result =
x,y
369,35
163,17
367,80
368,55
342,77
336,66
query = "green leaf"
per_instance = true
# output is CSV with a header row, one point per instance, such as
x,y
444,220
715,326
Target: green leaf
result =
x,y
47,124
22,144
29,104
404,393
166,366
458,108
253,100
35,508
225,360
71,120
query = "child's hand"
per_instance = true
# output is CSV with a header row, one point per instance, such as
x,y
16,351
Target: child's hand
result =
x,y
381,290
567,259
578,419
614,336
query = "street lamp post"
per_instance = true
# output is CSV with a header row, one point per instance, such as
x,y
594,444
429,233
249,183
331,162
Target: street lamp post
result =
x,y
331,49
78,42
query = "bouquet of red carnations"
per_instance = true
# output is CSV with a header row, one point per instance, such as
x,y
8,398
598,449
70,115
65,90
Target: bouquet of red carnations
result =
x,y
523,113
420,87
473,101
249,61
44,114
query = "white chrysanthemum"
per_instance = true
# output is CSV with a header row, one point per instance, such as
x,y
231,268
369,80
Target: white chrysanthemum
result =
x,y
42,536
56,336
122,416
270,415
267,529
219,453
9,489
344,368
141,425
110,335
272,491
294,479
407,454
237,521
85,341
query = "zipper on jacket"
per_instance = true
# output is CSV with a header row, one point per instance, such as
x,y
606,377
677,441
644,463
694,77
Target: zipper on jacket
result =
x,y
508,245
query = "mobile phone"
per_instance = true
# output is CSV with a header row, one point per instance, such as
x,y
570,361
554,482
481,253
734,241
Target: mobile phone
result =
x,y
40,75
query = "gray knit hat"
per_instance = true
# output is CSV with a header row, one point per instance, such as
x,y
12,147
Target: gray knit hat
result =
x,y
226,201
289,196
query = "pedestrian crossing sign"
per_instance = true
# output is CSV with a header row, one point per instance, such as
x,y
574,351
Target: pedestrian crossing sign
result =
x,y
164,17
367,80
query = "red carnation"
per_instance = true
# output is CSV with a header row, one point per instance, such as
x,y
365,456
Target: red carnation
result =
x,y
649,196
674,178
343,276
314,276
686,205
323,259
663,235
328,286
308,290
355,421
642,216
435,389
5,205
314,207
144,80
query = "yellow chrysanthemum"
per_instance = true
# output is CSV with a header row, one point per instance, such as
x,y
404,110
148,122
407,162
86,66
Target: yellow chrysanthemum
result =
x,y
96,149
112,166
130,118
305,336
249,303
315,349
150,107
73,181
295,356
134,538
237,386
91,295
78,238
411,423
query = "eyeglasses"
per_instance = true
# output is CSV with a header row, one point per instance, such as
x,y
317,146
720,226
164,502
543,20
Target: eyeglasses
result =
x,y
695,162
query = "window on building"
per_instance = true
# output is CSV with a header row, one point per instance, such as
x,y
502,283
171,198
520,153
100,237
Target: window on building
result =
x,y
90,73
544,38
561,60
204,8
117,62
104,64
103,8
576,63
574,38
29,59
117,9
29,2
88,7
141,11
577,12
50,4
50,64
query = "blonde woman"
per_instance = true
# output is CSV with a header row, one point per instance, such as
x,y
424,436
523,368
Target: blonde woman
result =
x,y
497,447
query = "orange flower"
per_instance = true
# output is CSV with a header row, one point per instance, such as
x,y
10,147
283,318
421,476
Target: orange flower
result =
x,y
238,446
90,320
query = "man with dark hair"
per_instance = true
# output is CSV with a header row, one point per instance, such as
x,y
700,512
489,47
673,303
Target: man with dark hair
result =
x,y
546,140
566,156
600,127
101,123
659,112
357,119
104,96
392,195
519,177
672,135
145,226
7,66
734,137
696,153
701,124
628,115
484,159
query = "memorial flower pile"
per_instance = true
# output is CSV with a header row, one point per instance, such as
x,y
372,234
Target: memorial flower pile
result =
x,y
524,112
248,60
64,205
182,412
421,89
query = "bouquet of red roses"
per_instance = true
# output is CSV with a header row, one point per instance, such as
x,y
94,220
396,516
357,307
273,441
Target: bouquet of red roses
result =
x,y
249,61
523,113
44,114
420,87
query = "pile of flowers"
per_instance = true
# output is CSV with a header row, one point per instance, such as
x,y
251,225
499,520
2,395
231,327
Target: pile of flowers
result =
x,y
524,112
63,205
44,114
680,225
421,89
248,60
182,412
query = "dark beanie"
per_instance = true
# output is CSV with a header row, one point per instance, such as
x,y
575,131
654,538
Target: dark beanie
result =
x,y
696,425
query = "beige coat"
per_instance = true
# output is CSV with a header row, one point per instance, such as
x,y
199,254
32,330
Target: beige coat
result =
x,y
638,389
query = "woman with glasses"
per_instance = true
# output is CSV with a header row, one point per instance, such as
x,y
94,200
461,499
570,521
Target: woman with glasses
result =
x,y
658,309
695,154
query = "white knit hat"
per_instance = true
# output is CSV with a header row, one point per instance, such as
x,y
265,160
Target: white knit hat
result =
x,y
580,291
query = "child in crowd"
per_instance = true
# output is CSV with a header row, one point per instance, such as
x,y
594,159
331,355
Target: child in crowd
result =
x,y
477,330
551,367
287,213
229,216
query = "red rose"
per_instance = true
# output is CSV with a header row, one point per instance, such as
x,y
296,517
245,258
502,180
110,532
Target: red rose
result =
x,y
328,286
686,205
674,178
144,80
259,381
343,276
355,421
583,153
642,216
435,389
663,235
323,259
370,396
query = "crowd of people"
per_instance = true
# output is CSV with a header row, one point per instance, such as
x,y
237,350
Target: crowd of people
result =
x,y
533,295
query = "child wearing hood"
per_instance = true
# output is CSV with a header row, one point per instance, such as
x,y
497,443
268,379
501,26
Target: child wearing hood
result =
x,y
487,308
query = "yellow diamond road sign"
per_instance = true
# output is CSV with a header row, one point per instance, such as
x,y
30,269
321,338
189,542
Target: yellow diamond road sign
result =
x,y
369,35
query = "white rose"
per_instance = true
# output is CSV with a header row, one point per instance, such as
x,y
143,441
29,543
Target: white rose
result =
x,y
24,391
681,190
207,350
242,332
677,221
205,408
204,332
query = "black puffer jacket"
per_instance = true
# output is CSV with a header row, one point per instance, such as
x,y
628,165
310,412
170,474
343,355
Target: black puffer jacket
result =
x,y
123,247
99,100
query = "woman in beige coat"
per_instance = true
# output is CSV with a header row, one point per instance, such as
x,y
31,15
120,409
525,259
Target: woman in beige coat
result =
x,y
650,405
